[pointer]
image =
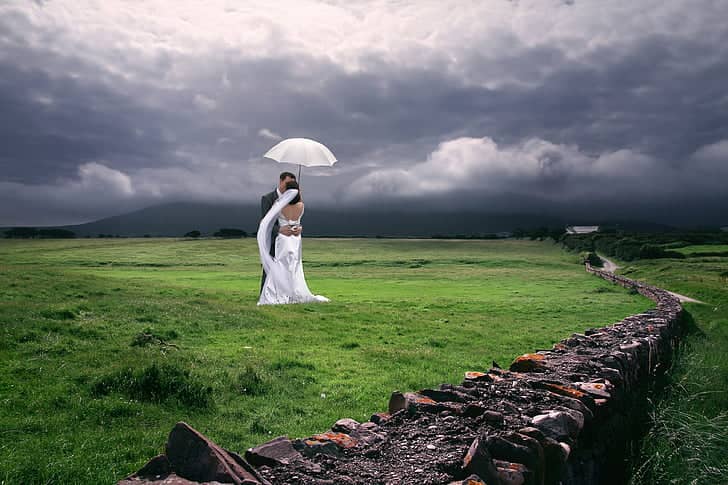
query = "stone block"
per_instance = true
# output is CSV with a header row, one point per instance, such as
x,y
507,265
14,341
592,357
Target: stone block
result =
x,y
477,460
278,451
529,363
195,457
559,425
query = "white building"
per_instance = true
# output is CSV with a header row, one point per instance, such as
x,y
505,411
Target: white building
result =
x,y
581,229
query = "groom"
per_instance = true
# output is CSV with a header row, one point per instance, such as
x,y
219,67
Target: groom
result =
x,y
266,202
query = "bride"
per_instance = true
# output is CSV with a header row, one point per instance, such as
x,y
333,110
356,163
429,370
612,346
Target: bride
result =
x,y
284,282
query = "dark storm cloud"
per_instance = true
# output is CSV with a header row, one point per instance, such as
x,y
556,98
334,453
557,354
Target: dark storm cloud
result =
x,y
58,112
524,126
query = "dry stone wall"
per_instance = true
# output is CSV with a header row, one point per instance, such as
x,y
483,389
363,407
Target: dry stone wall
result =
x,y
565,415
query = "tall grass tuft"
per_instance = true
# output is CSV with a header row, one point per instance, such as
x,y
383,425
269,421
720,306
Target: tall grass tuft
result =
x,y
688,439
684,447
253,381
156,383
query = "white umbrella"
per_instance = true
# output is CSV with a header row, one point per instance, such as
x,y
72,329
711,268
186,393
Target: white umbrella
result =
x,y
301,152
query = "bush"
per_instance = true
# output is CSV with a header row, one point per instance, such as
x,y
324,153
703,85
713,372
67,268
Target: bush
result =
x,y
592,258
156,383
651,251
230,232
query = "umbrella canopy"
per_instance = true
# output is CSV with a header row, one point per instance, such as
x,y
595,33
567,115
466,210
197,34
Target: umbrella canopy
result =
x,y
301,151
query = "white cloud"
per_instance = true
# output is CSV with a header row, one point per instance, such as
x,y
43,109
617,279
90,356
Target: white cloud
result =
x,y
714,152
205,103
97,177
141,39
266,133
534,167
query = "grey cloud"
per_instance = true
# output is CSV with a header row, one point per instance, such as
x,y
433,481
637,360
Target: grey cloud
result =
x,y
178,122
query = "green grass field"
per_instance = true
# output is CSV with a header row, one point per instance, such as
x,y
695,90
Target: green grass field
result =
x,y
703,248
688,442
84,398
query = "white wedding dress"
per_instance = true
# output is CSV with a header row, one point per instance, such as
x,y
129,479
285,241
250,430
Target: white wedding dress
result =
x,y
284,282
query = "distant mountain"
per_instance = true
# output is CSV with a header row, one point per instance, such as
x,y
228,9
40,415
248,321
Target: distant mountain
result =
x,y
179,218
176,219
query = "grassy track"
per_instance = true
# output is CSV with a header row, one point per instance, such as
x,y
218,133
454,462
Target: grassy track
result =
x,y
688,442
80,404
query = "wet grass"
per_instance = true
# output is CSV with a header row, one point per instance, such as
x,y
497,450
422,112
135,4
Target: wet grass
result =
x,y
105,344
689,436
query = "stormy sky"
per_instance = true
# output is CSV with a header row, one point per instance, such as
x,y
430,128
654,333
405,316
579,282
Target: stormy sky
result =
x,y
581,108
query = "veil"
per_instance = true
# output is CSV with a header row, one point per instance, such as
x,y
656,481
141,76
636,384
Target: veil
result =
x,y
264,233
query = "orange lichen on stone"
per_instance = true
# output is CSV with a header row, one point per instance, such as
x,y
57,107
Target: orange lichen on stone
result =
x,y
528,363
564,391
340,439
419,399
474,375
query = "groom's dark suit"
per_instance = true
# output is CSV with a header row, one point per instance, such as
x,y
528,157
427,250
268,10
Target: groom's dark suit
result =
x,y
266,202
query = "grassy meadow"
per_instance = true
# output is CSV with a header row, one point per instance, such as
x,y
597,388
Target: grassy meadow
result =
x,y
688,442
106,343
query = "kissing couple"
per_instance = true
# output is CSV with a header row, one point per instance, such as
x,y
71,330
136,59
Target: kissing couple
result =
x,y
279,245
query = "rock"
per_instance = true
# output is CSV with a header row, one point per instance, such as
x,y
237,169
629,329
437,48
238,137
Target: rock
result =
x,y
409,401
517,448
329,443
171,479
534,433
538,467
512,473
195,457
475,376
612,374
558,424
369,426
473,410
478,461
345,425
157,466
368,435
493,417
156,470
579,406
562,390
310,448
380,418
595,388
471,480
278,451
342,440
444,396
529,363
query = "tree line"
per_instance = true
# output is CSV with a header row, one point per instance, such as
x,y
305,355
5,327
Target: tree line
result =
x,y
33,233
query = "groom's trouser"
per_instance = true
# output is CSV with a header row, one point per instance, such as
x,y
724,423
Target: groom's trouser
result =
x,y
273,254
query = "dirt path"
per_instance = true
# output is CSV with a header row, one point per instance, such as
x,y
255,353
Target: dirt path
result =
x,y
611,267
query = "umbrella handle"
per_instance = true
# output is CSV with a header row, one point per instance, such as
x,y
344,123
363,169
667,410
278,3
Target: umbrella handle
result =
x,y
299,174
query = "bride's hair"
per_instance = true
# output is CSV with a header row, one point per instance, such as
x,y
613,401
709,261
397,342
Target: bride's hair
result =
x,y
294,185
